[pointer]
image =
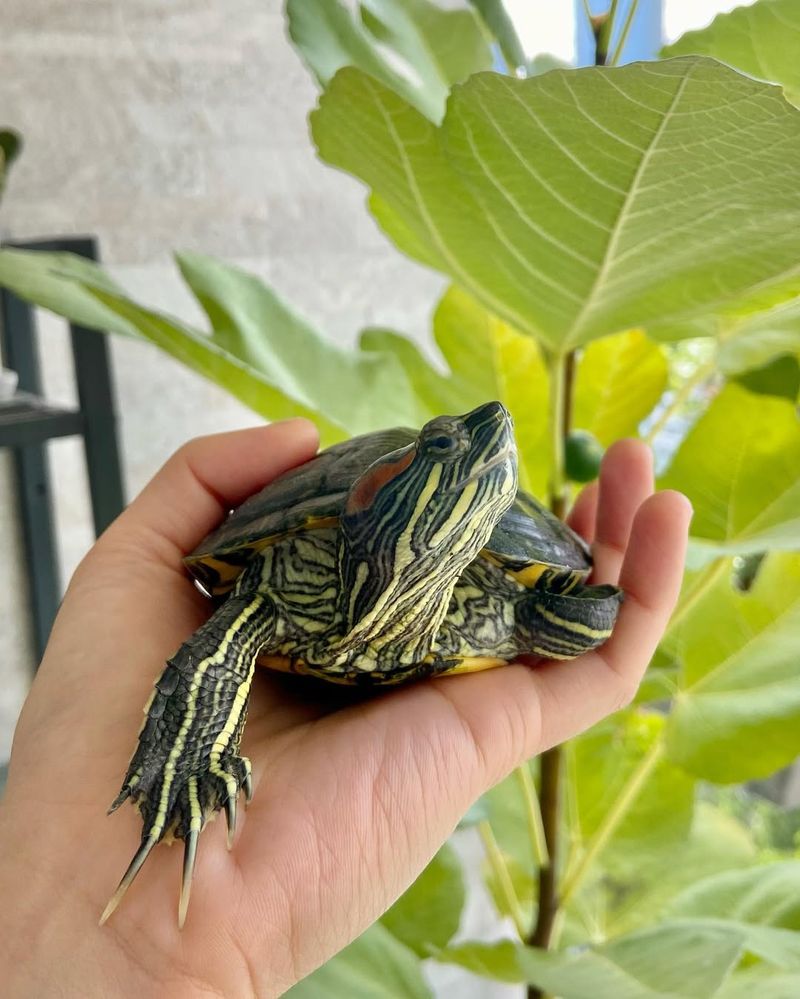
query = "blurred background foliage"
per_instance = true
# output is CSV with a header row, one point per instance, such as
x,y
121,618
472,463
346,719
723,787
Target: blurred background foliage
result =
x,y
637,228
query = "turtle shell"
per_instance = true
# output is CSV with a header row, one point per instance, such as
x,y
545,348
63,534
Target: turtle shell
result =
x,y
527,541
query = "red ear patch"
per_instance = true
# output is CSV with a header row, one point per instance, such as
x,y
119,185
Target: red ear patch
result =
x,y
364,491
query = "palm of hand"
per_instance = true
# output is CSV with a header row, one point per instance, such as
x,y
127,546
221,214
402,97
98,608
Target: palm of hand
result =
x,y
349,804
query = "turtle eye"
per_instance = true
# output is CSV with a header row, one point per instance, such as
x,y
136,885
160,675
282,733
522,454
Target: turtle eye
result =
x,y
441,445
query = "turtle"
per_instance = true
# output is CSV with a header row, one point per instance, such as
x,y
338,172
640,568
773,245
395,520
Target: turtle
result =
x,y
389,557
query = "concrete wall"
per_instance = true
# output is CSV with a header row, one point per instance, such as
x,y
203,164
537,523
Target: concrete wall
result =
x,y
173,124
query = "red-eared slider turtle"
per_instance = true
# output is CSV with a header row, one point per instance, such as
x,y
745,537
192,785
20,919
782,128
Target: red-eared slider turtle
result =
x,y
390,557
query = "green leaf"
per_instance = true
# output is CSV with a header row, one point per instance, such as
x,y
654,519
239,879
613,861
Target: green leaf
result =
x,y
375,966
487,359
780,377
500,960
633,890
740,467
760,983
756,338
618,383
329,37
672,961
444,47
586,202
200,353
602,762
496,18
429,49
61,282
737,714
427,916
357,391
762,40
763,903
10,145
259,350
768,895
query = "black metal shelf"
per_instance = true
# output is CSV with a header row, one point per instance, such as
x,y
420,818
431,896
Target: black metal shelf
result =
x,y
28,421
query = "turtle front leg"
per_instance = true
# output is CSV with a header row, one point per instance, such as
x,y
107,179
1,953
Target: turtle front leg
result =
x,y
187,763
566,625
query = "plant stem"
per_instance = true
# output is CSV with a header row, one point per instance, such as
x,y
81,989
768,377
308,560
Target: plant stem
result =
x,y
550,797
626,27
561,372
612,819
534,814
495,857
588,11
562,376
603,26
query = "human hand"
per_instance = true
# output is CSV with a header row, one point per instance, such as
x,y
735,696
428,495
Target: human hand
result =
x,y
350,804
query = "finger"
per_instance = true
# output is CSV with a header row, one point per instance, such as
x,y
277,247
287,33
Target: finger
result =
x,y
576,695
518,711
209,476
626,480
583,514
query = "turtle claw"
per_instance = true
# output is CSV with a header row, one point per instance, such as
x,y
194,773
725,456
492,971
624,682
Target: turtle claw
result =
x,y
133,869
191,803
189,857
230,814
247,782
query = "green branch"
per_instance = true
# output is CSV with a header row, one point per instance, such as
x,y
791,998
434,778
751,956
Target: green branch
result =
x,y
624,33
612,820
533,814
551,763
500,869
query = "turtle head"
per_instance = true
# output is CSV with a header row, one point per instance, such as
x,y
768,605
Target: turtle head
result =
x,y
416,518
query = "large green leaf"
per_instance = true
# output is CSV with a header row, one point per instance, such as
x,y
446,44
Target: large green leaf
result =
x,y
755,339
427,916
737,714
487,359
768,894
633,890
780,377
375,966
619,381
65,284
354,390
674,961
328,36
761,39
258,350
762,902
443,47
496,18
582,203
429,49
740,467
760,983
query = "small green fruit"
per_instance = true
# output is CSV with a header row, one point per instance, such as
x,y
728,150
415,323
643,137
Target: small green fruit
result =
x,y
583,453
